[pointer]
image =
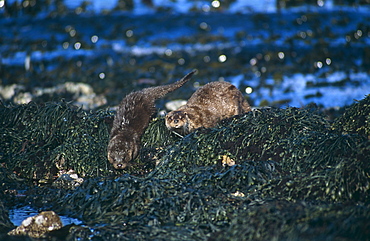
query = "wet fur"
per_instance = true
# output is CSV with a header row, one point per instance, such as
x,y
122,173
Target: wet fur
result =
x,y
131,120
206,107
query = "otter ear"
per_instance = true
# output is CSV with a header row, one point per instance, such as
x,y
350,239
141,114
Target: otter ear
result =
x,y
189,116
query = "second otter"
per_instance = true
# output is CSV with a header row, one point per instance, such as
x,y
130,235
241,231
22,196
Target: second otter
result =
x,y
206,107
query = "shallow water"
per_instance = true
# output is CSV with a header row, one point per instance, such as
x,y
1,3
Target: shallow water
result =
x,y
17,216
283,58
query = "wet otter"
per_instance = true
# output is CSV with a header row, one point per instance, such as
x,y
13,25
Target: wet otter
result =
x,y
131,120
207,106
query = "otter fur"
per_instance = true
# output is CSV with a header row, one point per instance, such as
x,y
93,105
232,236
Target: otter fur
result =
x,y
206,107
131,120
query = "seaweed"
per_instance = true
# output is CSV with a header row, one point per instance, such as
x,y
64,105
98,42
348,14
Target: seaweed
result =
x,y
42,141
356,119
283,220
5,223
282,174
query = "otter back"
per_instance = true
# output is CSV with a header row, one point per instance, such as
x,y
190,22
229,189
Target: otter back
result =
x,y
206,107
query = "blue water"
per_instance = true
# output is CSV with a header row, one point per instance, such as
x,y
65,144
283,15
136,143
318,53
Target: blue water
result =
x,y
17,216
183,6
96,35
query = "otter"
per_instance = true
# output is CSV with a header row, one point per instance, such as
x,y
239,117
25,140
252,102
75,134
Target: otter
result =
x,y
206,107
132,118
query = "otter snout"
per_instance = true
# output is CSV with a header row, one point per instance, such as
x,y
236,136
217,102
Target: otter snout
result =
x,y
118,165
116,160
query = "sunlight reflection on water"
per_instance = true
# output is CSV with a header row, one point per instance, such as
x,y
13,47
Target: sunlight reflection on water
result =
x,y
97,6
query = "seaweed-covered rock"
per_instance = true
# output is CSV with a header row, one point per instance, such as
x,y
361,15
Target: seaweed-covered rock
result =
x,y
264,136
293,150
5,223
269,174
356,119
41,142
282,220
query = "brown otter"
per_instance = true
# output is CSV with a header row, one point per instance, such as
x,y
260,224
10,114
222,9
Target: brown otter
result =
x,y
131,120
207,106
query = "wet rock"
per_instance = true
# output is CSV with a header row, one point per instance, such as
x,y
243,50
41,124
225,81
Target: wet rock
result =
x,y
38,225
23,98
68,180
7,92
175,104
80,94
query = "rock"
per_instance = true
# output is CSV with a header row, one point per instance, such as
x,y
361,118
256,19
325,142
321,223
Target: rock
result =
x,y
7,92
68,180
175,104
38,225
81,93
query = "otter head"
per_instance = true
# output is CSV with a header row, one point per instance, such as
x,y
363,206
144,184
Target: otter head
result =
x,y
122,150
177,121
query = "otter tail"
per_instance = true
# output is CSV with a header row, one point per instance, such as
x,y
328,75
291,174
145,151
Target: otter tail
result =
x,y
160,91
